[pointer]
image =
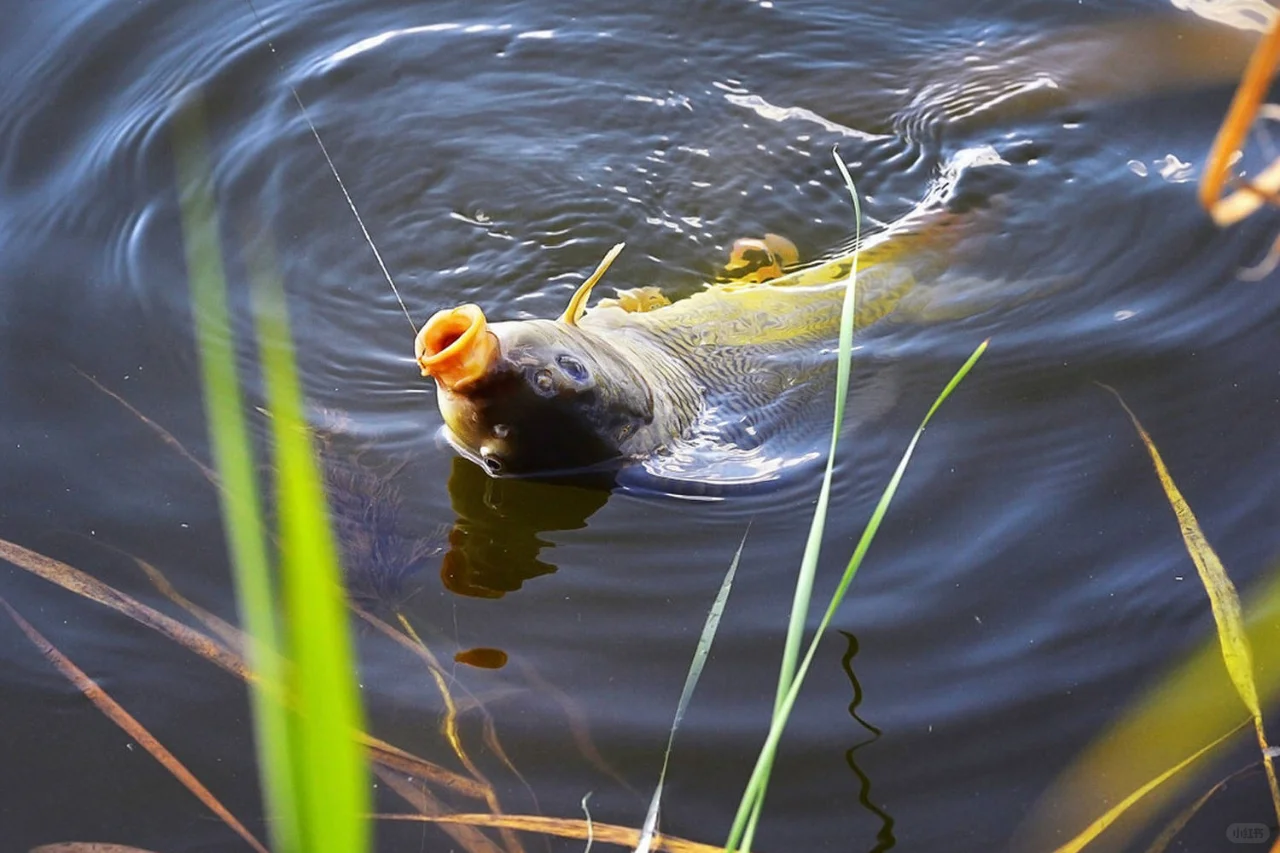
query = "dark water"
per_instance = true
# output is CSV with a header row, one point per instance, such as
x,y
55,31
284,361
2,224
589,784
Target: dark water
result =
x,y
1028,582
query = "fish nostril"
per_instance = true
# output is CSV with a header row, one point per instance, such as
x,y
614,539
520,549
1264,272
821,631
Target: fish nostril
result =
x,y
491,461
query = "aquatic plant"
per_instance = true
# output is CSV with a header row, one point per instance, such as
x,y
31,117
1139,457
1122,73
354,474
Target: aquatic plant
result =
x,y
1248,195
1189,713
305,702
742,831
301,678
1186,716
791,676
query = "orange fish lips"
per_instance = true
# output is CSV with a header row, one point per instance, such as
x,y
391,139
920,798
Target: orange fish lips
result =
x,y
456,348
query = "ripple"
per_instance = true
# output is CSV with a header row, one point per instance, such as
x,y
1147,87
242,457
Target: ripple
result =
x,y
494,158
372,43
771,112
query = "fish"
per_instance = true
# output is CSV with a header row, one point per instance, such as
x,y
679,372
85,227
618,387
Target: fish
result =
x,y
641,377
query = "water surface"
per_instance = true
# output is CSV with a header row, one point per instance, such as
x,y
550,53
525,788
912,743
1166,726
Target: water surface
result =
x,y
1027,583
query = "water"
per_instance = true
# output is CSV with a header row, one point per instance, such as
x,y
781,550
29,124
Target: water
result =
x,y
1028,582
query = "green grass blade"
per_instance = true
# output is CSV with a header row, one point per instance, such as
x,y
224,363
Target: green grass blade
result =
x,y
330,772
741,834
700,654
813,545
809,562
233,457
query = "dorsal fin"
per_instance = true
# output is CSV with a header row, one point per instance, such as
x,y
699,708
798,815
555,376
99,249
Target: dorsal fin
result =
x,y
578,303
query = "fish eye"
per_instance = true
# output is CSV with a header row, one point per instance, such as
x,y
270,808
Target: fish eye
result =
x,y
544,382
572,368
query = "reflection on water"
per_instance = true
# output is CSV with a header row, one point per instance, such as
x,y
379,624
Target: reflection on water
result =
x,y
482,657
496,542
885,839
382,559
492,546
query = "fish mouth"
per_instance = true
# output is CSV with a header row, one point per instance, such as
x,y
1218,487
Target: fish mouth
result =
x,y
456,348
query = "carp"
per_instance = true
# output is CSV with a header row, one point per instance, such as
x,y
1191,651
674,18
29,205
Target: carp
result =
x,y
639,377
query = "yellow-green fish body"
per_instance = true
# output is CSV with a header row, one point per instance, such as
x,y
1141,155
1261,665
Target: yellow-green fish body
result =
x,y
729,367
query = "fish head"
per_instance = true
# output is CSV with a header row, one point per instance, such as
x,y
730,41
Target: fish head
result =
x,y
530,397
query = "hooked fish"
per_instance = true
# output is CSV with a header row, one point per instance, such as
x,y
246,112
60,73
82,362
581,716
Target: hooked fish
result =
x,y
641,377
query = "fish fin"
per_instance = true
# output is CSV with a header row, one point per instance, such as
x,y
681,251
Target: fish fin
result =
x,y
637,300
783,249
754,260
578,304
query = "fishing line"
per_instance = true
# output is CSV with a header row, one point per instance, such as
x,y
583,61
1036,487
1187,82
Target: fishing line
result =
x,y
332,168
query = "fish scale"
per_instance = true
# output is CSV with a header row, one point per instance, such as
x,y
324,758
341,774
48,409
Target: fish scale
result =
x,y
760,353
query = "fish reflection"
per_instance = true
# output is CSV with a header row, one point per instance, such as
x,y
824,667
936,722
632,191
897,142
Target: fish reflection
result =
x,y
496,541
492,547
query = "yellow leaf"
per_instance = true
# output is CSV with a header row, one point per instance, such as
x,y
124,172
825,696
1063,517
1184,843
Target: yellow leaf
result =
x,y
1100,825
1223,599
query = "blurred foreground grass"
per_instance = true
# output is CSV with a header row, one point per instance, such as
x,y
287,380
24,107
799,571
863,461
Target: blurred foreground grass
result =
x,y
306,705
